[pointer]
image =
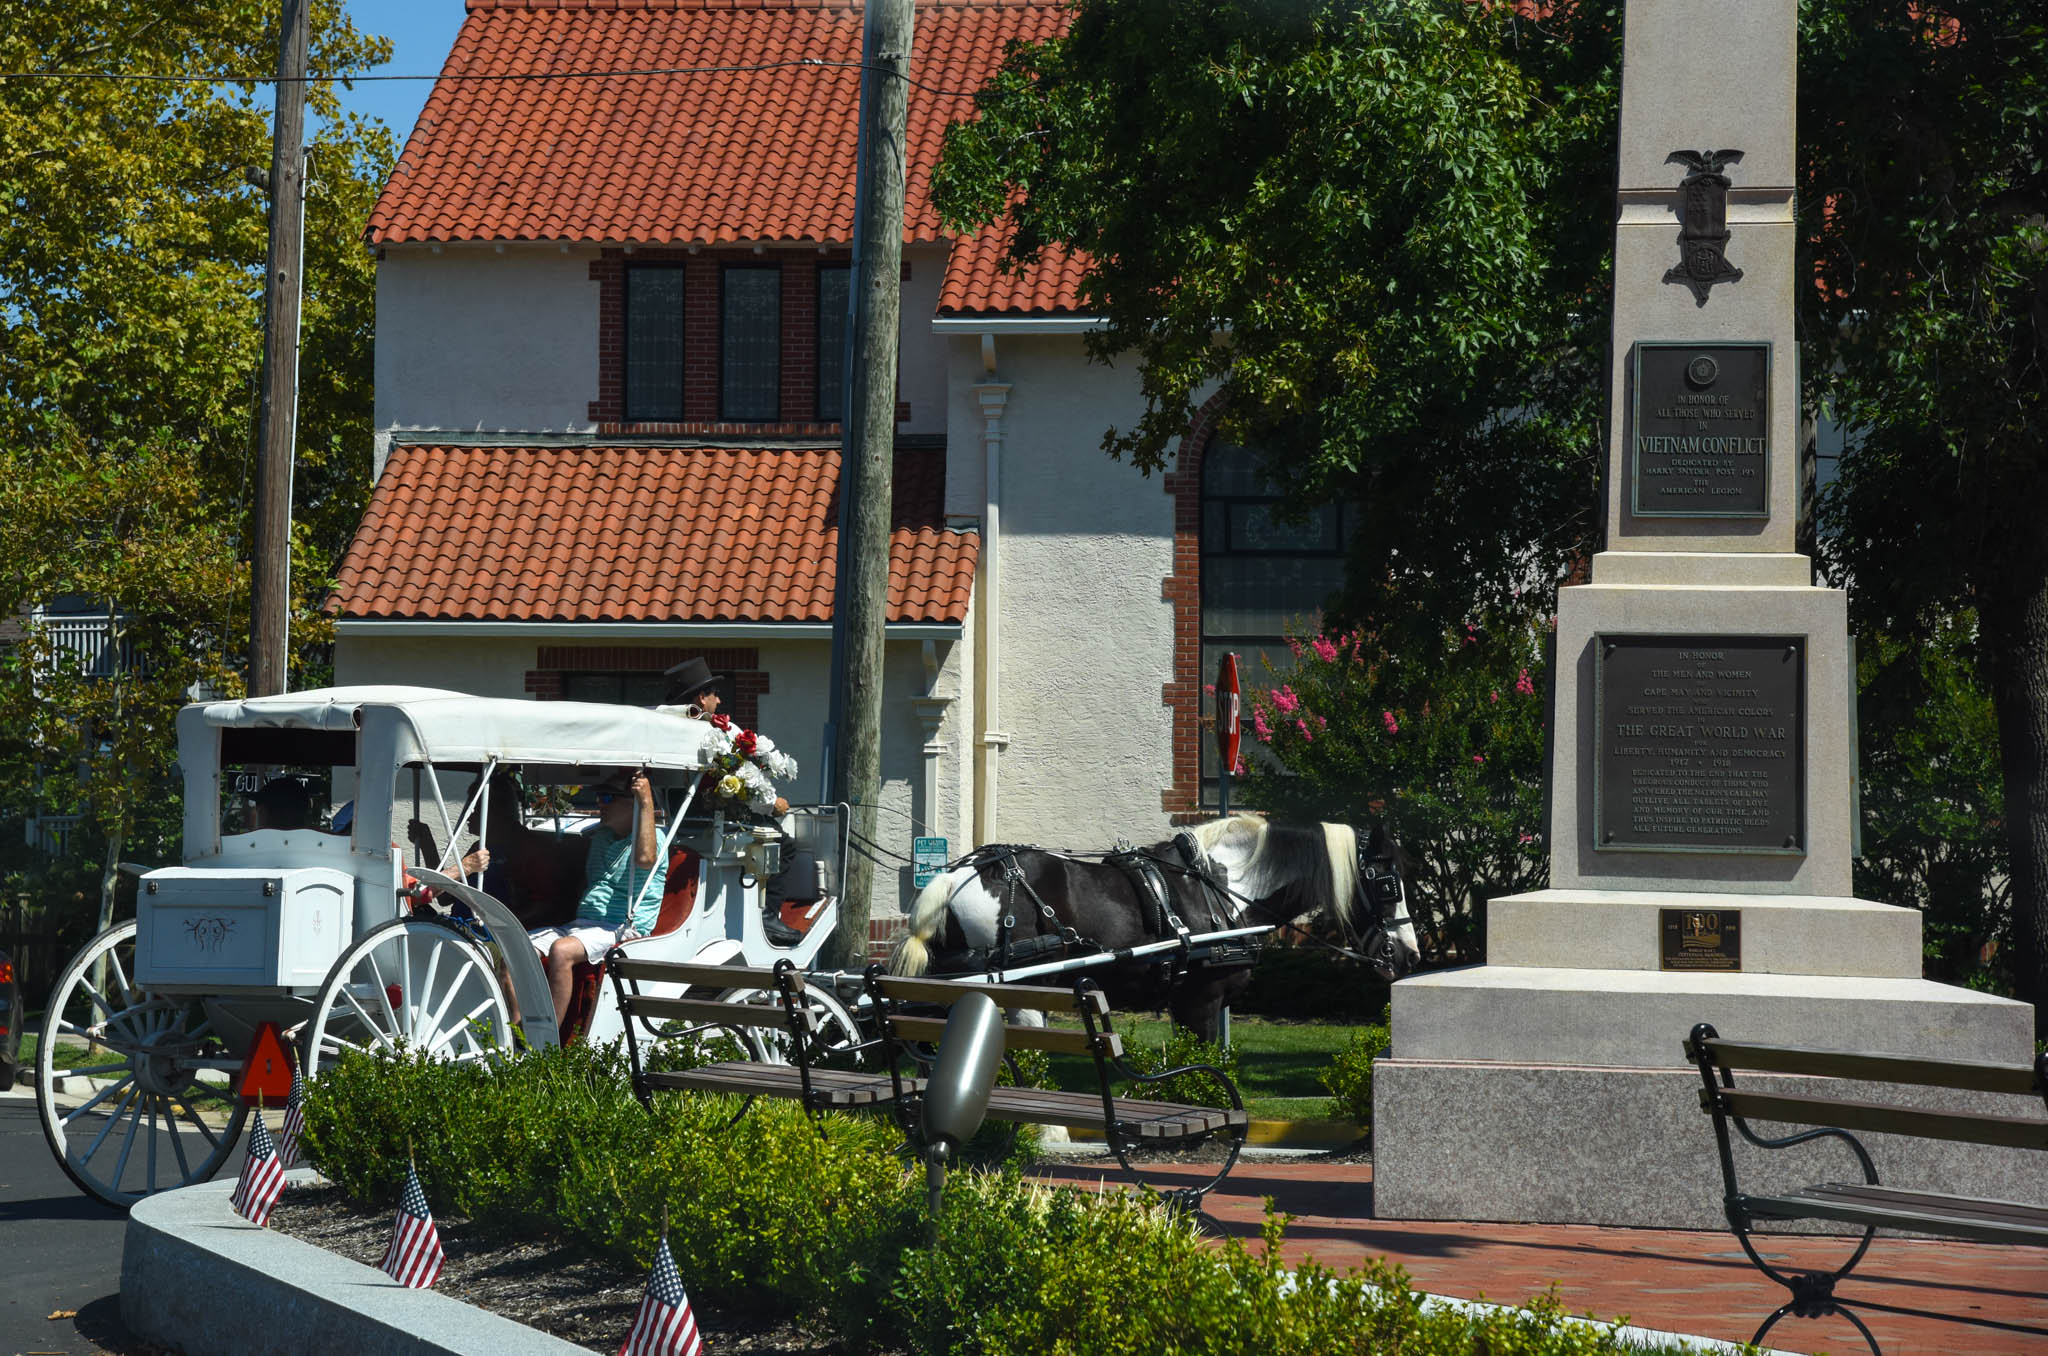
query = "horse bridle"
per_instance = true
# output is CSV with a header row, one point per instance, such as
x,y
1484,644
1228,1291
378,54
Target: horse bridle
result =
x,y
1380,878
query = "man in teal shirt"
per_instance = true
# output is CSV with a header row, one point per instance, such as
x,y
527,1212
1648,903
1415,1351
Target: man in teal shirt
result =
x,y
623,877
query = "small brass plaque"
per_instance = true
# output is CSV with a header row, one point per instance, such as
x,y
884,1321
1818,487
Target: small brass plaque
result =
x,y
1700,939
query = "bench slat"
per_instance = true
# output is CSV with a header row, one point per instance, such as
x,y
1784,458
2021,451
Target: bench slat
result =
x,y
1007,996
713,1012
706,976
1970,1075
1053,1040
837,1088
1925,1212
1149,1120
2011,1132
1975,1205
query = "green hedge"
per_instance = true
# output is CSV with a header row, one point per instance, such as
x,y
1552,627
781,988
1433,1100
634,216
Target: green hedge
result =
x,y
825,1223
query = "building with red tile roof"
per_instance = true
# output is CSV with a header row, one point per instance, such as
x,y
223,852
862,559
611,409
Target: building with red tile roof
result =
x,y
612,297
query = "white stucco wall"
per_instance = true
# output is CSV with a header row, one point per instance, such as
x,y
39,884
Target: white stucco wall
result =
x,y
1086,640
473,341
921,355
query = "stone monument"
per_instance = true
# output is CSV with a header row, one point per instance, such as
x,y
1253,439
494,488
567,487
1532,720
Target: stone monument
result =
x,y
1702,797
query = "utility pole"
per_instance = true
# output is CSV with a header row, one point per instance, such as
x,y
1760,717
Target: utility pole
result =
x,y
277,422
868,451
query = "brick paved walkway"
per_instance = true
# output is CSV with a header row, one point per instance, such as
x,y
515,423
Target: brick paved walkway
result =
x,y
1674,1280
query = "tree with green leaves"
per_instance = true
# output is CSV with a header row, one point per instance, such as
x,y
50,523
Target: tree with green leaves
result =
x,y
1444,745
131,276
1933,827
1924,196
1377,233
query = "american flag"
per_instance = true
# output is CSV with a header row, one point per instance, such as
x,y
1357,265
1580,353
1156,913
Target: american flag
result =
x,y
414,1257
664,1326
262,1177
294,1122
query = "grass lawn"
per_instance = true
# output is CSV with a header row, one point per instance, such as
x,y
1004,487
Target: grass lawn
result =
x,y
1277,1062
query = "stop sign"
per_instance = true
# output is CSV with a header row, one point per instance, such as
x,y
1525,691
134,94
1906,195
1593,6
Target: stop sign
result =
x,y
1229,713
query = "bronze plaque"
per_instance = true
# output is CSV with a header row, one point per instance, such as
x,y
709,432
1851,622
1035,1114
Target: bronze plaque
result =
x,y
1701,435
1700,939
1699,744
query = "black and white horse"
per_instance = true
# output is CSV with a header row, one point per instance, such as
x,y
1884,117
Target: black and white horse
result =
x,y
1004,908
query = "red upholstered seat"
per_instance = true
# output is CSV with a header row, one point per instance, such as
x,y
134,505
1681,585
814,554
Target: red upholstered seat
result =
x,y
678,898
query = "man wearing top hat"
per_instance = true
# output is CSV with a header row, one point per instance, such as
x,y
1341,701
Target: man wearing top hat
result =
x,y
694,686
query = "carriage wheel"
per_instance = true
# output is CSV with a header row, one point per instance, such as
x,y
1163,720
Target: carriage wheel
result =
x,y
135,1089
410,984
836,1028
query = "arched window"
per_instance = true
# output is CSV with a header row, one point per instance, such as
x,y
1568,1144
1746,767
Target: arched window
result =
x,y
1261,574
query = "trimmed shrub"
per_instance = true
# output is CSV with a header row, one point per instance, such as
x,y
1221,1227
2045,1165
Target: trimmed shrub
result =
x,y
1349,1077
824,1223
1183,1047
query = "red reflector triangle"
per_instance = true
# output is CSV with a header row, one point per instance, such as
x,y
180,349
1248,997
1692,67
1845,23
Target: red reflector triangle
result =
x,y
267,1072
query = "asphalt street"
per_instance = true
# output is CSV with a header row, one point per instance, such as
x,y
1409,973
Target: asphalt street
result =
x,y
59,1249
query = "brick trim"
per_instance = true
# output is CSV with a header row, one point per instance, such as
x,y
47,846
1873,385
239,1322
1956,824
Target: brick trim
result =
x,y
1183,589
748,682
703,271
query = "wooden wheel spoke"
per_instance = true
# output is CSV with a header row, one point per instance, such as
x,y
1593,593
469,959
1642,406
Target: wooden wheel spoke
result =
x,y
448,999
121,973
381,1038
113,1119
177,1144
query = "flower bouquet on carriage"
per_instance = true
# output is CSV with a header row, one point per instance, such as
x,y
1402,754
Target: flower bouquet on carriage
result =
x,y
746,765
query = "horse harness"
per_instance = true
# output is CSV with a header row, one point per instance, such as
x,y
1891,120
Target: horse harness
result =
x,y
1148,883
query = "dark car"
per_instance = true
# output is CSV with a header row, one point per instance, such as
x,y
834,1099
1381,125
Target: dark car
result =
x,y
10,1020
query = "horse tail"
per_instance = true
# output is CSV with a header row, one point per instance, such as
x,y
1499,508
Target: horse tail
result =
x,y
1342,841
912,954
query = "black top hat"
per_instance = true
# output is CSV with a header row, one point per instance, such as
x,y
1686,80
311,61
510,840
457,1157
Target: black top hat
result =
x,y
689,678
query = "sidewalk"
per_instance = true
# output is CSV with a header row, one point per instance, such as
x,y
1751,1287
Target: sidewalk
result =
x,y
1698,1283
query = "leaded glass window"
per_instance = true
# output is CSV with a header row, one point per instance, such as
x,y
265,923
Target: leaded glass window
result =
x,y
654,342
1263,573
750,343
833,281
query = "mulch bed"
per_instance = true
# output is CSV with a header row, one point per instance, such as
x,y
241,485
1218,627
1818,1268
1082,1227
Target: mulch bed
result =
x,y
562,1290
543,1284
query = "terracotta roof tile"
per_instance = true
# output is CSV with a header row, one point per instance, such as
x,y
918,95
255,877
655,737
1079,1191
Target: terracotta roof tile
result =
x,y
741,154
976,283
637,534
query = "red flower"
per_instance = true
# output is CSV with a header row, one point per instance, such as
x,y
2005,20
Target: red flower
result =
x,y
723,722
744,742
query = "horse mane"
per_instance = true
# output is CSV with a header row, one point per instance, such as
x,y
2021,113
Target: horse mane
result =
x,y
1296,866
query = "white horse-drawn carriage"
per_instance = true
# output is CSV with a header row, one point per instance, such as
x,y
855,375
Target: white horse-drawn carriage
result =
x,y
325,926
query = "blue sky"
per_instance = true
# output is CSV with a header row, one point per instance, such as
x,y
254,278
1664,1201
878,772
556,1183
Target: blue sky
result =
x,y
421,32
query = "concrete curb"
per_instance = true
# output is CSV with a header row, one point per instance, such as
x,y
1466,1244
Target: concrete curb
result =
x,y
203,1280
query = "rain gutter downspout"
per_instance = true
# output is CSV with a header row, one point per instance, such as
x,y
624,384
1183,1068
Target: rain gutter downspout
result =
x,y
993,397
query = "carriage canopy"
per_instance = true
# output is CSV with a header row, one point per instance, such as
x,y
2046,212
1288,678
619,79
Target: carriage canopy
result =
x,y
378,730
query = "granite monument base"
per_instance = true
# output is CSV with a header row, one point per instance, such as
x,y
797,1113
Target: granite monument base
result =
x,y
1630,1147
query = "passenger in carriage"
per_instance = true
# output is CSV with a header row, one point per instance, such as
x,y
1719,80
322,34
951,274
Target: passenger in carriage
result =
x,y
693,686
283,803
623,865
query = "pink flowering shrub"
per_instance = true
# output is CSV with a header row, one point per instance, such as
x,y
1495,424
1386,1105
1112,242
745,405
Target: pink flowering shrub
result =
x,y
1445,746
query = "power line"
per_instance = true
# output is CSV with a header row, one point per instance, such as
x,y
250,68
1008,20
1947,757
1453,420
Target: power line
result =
x,y
507,77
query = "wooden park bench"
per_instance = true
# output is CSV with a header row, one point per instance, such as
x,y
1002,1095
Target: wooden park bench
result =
x,y
912,1018
1125,1123
739,999
1867,1203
